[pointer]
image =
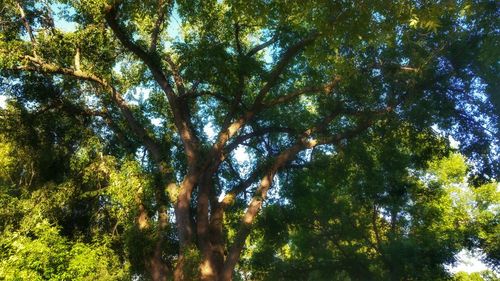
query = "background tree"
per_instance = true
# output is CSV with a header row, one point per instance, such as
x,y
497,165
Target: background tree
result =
x,y
142,107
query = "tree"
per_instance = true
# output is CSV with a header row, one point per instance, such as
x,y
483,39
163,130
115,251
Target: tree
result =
x,y
408,232
46,212
289,83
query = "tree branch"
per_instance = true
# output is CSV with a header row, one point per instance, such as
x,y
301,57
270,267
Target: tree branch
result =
x,y
179,82
179,108
147,58
253,209
182,120
158,25
231,128
43,67
262,46
265,184
27,27
241,187
278,69
256,133
327,88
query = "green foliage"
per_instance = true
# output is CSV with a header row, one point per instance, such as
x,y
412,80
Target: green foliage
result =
x,y
332,226
34,242
41,253
487,221
479,276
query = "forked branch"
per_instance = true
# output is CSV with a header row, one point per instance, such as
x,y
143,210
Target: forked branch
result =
x,y
147,58
229,129
285,59
179,109
306,142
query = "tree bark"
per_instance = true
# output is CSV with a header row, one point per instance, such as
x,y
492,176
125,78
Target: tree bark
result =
x,y
179,267
157,267
208,271
253,209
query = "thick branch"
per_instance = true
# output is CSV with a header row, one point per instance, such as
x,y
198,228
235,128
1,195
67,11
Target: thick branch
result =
x,y
147,58
238,189
262,46
278,69
179,109
231,128
283,158
179,82
253,209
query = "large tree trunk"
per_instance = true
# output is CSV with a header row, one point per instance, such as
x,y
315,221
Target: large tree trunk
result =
x,y
208,271
155,264
157,267
207,268
184,223
216,238
179,267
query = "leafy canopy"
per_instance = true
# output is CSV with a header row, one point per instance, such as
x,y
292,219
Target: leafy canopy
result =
x,y
122,139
